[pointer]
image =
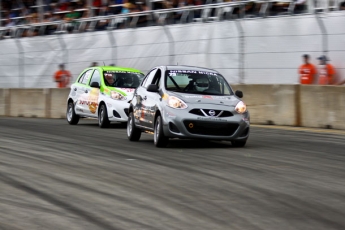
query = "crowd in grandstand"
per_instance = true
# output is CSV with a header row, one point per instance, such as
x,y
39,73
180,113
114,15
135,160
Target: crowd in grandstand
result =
x,y
29,12
19,12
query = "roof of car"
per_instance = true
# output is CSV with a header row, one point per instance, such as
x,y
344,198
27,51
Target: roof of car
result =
x,y
119,68
186,67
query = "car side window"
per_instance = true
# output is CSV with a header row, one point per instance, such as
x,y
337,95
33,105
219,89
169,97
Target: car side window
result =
x,y
85,79
157,77
96,77
149,78
80,80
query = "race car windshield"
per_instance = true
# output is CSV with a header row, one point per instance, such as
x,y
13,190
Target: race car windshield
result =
x,y
122,79
196,82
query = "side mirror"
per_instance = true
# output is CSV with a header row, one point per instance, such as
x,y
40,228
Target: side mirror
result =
x,y
239,93
95,85
152,88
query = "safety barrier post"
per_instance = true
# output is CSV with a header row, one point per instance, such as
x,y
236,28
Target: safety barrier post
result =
x,y
241,41
113,46
63,49
171,45
322,29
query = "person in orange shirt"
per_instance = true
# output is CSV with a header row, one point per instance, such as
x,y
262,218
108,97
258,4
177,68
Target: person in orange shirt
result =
x,y
326,72
307,71
62,77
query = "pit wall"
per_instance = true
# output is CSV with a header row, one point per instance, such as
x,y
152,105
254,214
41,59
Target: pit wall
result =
x,y
287,105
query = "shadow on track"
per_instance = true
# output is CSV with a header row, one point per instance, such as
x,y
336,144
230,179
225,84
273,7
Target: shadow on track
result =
x,y
192,144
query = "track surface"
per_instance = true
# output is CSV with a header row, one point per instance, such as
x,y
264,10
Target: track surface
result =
x,y
56,176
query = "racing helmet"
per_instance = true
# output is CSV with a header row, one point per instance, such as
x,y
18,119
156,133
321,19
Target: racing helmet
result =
x,y
201,84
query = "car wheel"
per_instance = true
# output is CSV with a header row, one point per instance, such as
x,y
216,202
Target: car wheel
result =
x,y
159,139
238,143
133,132
72,117
103,120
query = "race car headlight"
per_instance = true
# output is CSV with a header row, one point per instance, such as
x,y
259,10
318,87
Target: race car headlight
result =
x,y
117,96
176,103
241,107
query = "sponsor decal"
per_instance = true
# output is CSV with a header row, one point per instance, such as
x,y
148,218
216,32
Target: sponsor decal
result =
x,y
127,90
119,71
165,96
88,103
93,99
207,97
174,72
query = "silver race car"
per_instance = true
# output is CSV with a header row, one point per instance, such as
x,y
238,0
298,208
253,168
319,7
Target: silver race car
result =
x,y
187,102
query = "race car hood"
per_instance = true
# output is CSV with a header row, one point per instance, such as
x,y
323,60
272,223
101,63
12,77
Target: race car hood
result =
x,y
207,99
123,91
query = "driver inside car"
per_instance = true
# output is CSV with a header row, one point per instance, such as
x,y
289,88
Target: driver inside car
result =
x,y
201,84
109,78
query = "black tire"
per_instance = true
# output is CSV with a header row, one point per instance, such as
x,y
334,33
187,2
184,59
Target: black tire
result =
x,y
133,133
103,120
71,116
238,143
159,139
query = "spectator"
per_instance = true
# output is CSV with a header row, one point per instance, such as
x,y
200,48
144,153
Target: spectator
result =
x,y
307,71
300,7
326,71
62,77
9,23
94,64
70,18
342,5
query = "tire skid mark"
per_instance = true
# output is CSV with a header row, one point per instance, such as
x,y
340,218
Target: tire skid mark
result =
x,y
68,207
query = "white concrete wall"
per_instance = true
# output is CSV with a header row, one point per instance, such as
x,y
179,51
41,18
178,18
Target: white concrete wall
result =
x,y
272,50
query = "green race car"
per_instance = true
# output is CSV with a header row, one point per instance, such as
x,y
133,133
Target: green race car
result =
x,y
103,92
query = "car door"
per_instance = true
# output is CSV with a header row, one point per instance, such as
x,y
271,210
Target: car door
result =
x,y
93,94
81,96
152,99
139,107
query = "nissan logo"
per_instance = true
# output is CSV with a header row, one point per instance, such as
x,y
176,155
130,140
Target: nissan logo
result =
x,y
212,112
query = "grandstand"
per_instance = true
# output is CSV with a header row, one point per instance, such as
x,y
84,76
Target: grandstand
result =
x,y
26,18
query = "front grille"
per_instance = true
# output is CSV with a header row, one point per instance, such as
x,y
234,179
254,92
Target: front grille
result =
x,y
213,113
210,128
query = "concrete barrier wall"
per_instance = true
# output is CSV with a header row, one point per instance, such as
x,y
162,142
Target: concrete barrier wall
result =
x,y
290,105
58,102
323,106
270,104
28,102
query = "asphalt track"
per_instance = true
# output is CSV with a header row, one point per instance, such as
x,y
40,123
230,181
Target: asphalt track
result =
x,y
56,176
